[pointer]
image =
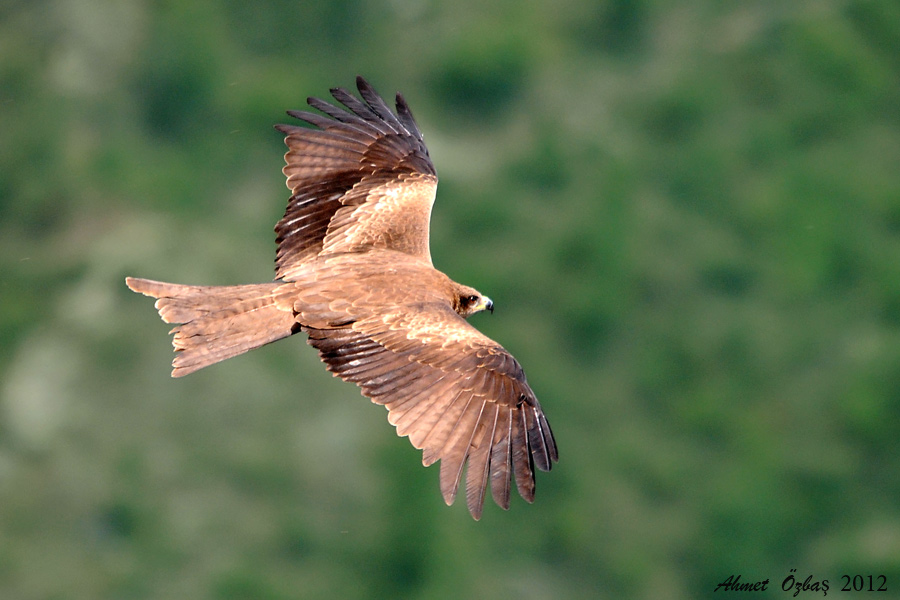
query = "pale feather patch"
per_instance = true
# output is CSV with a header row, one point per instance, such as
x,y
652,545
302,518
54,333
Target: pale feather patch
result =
x,y
394,215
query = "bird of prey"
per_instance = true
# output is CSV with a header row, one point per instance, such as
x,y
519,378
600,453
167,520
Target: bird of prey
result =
x,y
354,273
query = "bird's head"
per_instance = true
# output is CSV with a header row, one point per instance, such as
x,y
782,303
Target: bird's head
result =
x,y
469,301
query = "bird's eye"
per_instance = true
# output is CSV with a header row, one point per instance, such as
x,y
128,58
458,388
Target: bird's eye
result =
x,y
472,299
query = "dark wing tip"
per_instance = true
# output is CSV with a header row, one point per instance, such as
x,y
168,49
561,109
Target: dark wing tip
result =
x,y
404,114
366,89
371,112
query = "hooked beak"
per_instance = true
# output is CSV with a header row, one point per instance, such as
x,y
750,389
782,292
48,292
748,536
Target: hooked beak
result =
x,y
485,304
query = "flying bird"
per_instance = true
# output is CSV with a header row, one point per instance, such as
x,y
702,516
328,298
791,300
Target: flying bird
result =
x,y
354,273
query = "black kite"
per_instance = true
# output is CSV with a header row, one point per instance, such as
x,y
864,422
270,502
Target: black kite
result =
x,y
354,272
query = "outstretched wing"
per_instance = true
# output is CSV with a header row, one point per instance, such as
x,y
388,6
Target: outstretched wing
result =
x,y
457,394
363,179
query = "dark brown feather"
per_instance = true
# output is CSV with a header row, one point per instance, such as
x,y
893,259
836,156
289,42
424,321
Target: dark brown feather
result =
x,y
479,467
501,461
521,456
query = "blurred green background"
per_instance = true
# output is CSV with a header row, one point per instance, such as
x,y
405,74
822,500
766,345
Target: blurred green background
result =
x,y
687,214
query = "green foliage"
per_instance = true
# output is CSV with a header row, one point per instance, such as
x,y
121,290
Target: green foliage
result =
x,y
687,216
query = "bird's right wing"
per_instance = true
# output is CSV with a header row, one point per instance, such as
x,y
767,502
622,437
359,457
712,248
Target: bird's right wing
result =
x,y
362,180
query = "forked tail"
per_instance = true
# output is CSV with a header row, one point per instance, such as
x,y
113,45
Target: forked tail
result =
x,y
216,322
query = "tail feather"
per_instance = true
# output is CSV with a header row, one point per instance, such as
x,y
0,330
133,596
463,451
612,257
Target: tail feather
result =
x,y
216,322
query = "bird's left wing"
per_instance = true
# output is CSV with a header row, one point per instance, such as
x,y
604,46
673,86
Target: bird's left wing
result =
x,y
457,394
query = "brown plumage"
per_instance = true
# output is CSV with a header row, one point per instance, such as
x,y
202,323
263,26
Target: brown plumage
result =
x,y
354,272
